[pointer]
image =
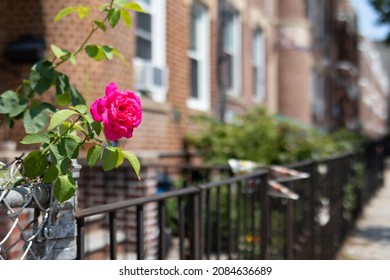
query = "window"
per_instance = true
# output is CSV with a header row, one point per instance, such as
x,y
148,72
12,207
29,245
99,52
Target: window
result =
x,y
199,58
318,95
144,36
150,71
232,51
258,64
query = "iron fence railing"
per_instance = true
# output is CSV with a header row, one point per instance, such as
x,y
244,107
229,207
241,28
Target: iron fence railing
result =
x,y
300,211
240,217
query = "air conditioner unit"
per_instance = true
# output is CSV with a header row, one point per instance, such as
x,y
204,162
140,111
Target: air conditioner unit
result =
x,y
149,78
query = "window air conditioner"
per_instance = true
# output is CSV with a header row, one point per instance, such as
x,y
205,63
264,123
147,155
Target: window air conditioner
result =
x,y
150,79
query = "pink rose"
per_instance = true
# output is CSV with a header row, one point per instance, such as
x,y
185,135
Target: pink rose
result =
x,y
120,112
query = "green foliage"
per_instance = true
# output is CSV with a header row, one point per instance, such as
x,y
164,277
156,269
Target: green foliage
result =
x,y
64,187
71,128
11,104
259,137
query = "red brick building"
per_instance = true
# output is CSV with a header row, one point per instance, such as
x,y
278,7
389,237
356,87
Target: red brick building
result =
x,y
374,91
192,58
204,57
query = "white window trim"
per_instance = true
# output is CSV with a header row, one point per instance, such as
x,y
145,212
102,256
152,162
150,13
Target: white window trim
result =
x,y
157,9
317,96
259,61
203,57
235,90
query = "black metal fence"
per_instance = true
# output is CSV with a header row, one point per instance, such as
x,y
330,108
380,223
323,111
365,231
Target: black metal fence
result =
x,y
236,217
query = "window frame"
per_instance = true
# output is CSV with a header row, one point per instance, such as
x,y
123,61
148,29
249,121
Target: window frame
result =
x,y
235,52
259,64
157,10
201,54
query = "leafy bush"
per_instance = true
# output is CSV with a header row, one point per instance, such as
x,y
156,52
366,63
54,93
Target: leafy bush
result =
x,y
263,138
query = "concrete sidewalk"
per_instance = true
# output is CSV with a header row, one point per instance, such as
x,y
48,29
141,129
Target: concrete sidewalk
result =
x,y
370,240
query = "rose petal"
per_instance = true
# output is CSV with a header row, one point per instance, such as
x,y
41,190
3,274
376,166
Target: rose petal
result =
x,y
111,88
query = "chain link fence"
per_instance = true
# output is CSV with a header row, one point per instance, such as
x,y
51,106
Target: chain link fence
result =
x,y
33,225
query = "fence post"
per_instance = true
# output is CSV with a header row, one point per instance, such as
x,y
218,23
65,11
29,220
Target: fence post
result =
x,y
265,219
61,230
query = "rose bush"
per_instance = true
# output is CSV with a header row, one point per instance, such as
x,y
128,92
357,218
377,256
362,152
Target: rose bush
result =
x,y
62,133
120,112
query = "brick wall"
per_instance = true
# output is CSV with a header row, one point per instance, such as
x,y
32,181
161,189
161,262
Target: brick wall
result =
x,y
99,188
294,61
374,91
165,125
294,85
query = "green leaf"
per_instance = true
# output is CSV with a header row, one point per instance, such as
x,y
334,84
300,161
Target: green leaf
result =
x,y
88,118
120,56
82,109
11,104
110,158
104,7
95,51
36,138
97,127
62,84
41,76
60,116
50,174
59,158
108,52
114,16
76,97
35,119
58,52
94,154
47,107
34,164
81,129
63,54
121,3
101,25
63,99
132,158
126,17
64,188
64,12
83,11
63,128
120,158
135,7
70,145
72,58
27,90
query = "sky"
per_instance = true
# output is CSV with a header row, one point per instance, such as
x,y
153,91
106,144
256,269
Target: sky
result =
x,y
367,17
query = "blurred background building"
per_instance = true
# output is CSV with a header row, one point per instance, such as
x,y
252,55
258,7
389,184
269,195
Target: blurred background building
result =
x,y
302,59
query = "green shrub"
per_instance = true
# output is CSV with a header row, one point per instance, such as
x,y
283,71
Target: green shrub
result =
x,y
263,138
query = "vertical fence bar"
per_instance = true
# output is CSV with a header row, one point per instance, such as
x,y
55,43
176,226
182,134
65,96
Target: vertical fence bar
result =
x,y
200,221
238,222
112,226
140,232
313,181
218,217
208,225
245,207
80,238
265,220
229,218
181,227
253,224
289,230
161,224
195,227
